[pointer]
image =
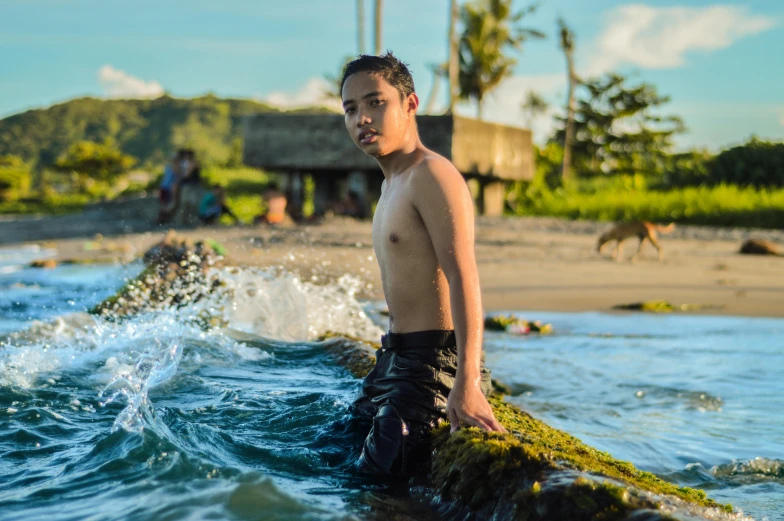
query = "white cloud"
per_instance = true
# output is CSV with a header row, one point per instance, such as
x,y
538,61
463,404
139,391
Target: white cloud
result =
x,y
660,37
312,94
119,84
781,117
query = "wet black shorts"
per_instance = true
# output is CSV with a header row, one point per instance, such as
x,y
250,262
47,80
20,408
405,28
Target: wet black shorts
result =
x,y
405,394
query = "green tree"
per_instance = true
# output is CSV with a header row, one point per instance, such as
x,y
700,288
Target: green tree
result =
x,y
15,177
756,163
533,106
491,31
617,129
91,162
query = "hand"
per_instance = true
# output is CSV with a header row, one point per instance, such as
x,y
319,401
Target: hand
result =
x,y
467,404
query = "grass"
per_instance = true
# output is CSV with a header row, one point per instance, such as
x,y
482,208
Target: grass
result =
x,y
244,187
243,190
629,199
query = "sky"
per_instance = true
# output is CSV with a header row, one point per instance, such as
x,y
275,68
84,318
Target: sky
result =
x,y
720,63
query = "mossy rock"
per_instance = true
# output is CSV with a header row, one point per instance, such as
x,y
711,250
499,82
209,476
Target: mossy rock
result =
x,y
513,324
651,306
353,353
537,472
176,275
662,306
533,472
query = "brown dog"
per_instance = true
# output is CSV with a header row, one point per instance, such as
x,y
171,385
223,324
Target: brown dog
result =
x,y
641,229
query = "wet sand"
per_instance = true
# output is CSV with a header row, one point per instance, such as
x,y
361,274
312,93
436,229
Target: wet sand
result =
x,y
524,264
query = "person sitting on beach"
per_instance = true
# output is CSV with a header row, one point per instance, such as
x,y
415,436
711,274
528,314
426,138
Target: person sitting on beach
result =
x,y
275,202
168,188
191,169
429,366
213,205
351,206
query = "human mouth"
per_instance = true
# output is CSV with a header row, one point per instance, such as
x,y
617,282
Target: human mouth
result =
x,y
368,136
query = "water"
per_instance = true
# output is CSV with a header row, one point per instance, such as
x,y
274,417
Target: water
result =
x,y
154,418
694,399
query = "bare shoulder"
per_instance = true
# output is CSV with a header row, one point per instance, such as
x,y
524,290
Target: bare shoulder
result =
x,y
436,173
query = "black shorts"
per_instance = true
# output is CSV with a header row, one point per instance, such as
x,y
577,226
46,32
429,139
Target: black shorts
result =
x,y
405,394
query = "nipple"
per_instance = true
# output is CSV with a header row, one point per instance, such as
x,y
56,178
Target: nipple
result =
x,y
393,237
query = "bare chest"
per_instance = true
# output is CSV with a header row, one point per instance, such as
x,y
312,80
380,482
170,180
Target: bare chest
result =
x,y
397,227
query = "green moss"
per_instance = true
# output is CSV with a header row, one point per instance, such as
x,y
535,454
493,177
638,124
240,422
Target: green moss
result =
x,y
353,353
532,472
537,472
662,306
504,323
653,306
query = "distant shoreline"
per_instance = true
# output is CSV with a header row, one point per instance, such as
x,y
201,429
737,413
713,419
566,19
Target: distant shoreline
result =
x,y
525,263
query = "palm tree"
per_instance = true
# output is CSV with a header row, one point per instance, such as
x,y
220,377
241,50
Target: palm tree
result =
x,y
439,70
361,26
533,106
491,30
452,63
567,46
379,26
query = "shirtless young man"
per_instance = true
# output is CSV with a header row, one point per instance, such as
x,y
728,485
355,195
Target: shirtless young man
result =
x,y
423,237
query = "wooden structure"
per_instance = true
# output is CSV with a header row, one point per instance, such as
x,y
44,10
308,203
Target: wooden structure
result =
x,y
488,155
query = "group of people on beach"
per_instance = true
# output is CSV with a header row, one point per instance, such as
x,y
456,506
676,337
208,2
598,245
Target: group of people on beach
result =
x,y
183,170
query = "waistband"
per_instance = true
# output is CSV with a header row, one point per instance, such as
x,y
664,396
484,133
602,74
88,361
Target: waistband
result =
x,y
434,338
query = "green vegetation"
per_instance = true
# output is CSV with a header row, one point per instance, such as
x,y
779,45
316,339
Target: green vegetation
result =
x,y
244,187
628,198
149,130
15,178
497,474
491,32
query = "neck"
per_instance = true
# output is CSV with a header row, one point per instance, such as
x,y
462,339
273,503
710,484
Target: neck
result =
x,y
401,160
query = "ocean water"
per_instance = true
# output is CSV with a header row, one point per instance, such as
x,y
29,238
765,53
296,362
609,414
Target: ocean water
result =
x,y
154,418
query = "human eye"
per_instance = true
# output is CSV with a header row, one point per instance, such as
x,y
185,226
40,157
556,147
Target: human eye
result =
x,y
350,110
375,102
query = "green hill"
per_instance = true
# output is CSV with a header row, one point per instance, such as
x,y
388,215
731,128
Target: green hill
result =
x,y
149,130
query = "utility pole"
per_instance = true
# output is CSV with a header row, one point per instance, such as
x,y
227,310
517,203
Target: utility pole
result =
x,y
361,26
453,63
379,19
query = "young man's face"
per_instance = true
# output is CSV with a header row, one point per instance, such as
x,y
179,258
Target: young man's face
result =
x,y
377,119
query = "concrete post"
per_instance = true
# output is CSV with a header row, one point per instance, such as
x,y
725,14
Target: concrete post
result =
x,y
492,198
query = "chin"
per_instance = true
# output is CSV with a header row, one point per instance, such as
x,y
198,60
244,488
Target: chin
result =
x,y
373,149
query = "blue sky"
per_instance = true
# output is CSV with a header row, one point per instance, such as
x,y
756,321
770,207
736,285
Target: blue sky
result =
x,y
720,63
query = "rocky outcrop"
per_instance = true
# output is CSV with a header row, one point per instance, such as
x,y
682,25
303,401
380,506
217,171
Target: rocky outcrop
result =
x,y
176,274
760,247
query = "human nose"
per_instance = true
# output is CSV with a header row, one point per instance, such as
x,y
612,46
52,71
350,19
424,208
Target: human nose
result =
x,y
362,118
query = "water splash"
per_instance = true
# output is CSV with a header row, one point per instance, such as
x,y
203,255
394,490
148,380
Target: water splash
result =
x,y
757,469
278,305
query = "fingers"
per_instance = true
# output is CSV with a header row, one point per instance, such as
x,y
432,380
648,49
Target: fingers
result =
x,y
453,420
485,423
480,421
495,426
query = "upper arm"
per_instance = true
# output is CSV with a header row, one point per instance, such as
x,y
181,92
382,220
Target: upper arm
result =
x,y
441,197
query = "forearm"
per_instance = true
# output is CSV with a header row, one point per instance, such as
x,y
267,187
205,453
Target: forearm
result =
x,y
468,320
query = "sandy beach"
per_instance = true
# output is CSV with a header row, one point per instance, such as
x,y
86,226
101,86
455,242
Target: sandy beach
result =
x,y
524,263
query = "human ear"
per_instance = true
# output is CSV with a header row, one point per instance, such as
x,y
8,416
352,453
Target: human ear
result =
x,y
412,104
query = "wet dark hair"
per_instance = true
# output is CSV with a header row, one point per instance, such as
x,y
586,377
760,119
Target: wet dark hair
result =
x,y
394,71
